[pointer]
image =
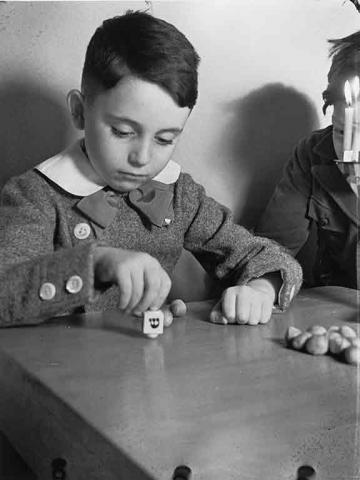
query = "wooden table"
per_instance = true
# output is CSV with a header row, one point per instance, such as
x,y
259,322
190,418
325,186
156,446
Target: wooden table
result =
x,y
231,402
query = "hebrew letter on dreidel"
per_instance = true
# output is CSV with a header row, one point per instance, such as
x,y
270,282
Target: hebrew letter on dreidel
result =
x,y
153,323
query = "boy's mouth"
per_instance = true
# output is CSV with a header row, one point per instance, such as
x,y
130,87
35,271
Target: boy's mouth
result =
x,y
134,176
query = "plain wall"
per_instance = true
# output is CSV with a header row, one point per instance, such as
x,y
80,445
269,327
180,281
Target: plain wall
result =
x,y
263,69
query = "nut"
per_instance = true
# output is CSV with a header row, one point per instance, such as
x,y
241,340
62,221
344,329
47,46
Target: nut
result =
x,y
299,341
317,344
168,317
337,343
317,330
355,342
291,333
352,355
347,332
178,308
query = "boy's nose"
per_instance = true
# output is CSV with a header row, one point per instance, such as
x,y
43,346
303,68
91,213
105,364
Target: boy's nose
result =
x,y
139,155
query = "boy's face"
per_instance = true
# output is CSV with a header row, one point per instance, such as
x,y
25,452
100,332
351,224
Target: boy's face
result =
x,y
131,131
338,120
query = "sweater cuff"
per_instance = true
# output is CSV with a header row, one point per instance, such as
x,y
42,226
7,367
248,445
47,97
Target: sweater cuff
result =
x,y
52,284
290,271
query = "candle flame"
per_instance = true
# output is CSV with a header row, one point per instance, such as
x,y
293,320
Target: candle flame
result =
x,y
347,91
356,87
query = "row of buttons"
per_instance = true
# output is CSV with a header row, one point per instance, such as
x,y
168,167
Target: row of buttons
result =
x,y
83,230
74,284
48,290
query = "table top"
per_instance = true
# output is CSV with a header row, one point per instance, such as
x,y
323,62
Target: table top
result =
x,y
229,401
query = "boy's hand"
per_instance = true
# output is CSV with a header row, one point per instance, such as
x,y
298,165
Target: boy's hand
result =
x,y
142,281
251,303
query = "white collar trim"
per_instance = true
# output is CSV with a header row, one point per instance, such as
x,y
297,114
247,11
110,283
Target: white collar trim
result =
x,y
73,172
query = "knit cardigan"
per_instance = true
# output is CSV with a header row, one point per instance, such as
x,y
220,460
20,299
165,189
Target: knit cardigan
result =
x,y
39,245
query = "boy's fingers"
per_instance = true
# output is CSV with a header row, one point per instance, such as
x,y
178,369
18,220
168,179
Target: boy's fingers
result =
x,y
266,311
255,312
164,289
228,305
242,309
137,278
249,308
216,315
151,288
125,286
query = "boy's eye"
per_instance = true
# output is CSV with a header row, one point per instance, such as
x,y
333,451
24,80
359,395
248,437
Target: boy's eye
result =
x,y
122,133
164,141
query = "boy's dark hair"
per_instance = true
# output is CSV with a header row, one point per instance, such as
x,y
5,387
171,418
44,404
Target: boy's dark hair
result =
x,y
345,53
146,47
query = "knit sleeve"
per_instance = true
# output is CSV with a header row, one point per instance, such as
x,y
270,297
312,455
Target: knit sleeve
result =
x,y
228,251
36,281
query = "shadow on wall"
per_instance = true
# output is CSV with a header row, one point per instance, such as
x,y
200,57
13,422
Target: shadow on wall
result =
x,y
270,122
267,124
33,126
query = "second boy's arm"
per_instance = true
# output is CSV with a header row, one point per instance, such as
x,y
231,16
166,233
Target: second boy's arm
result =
x,y
285,217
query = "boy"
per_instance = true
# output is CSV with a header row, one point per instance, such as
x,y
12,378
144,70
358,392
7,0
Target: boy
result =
x,y
314,191
102,224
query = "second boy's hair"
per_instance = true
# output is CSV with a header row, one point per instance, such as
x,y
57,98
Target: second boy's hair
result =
x,y
146,47
345,53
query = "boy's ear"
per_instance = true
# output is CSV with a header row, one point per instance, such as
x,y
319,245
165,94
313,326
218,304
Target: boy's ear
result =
x,y
75,101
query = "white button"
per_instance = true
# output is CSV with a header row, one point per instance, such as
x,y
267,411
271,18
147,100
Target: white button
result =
x,y
167,221
82,231
47,291
292,292
74,284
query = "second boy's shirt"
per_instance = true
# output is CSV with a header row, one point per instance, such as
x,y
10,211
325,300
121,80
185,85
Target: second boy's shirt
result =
x,y
314,191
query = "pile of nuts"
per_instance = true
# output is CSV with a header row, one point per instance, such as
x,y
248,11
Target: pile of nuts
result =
x,y
317,340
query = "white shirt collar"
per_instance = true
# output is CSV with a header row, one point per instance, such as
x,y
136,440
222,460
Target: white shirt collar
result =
x,y
73,172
